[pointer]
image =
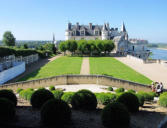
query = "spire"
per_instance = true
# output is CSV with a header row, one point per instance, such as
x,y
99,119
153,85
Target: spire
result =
x,y
53,38
123,29
104,26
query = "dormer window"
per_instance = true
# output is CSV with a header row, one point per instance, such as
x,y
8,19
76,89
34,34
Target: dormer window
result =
x,y
82,33
96,33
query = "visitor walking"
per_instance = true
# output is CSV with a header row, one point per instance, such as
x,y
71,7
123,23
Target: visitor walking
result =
x,y
159,88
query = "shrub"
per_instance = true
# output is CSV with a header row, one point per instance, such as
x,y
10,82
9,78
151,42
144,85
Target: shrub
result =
x,y
131,91
115,115
148,96
163,99
84,99
130,101
19,90
67,97
40,88
26,94
7,109
8,95
140,99
110,88
51,88
118,90
39,97
57,94
55,112
105,98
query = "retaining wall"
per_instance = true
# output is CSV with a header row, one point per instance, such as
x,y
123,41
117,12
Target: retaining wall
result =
x,y
77,79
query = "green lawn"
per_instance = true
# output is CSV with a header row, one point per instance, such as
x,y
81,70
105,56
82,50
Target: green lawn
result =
x,y
111,66
60,66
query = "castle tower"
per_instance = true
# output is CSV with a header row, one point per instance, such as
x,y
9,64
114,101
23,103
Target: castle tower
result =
x,y
123,29
105,33
67,35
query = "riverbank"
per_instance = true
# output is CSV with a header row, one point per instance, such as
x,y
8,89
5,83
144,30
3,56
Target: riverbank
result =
x,y
162,48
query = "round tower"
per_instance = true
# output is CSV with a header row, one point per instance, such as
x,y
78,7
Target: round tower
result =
x,y
105,33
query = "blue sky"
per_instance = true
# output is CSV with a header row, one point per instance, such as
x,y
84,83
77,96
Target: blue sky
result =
x,y
38,19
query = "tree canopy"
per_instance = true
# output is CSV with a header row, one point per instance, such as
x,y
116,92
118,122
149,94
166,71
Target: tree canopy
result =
x,y
8,39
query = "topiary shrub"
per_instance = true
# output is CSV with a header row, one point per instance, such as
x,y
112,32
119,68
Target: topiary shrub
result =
x,y
110,88
105,98
19,90
58,94
26,94
130,101
7,109
115,115
84,99
163,99
131,91
40,88
51,88
140,99
39,97
119,90
55,112
148,96
67,97
8,95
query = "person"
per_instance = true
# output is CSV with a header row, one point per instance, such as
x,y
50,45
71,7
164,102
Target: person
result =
x,y
158,88
153,86
162,87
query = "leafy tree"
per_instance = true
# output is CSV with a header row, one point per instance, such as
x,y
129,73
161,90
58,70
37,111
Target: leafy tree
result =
x,y
108,46
100,46
50,47
25,46
63,47
71,46
91,46
8,39
82,46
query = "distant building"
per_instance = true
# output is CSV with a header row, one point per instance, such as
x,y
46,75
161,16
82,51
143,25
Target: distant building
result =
x,y
104,32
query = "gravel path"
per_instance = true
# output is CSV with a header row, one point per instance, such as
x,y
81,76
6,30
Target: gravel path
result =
x,y
154,71
34,66
85,66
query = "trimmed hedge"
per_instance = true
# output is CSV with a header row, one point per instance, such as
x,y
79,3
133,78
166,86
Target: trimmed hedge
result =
x,y
110,88
8,94
119,90
26,94
115,115
163,99
105,98
130,101
19,90
67,97
7,109
141,99
84,99
51,88
132,91
55,112
58,93
148,96
39,97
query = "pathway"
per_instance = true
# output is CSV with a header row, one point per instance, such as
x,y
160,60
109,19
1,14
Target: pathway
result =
x,y
154,71
85,66
33,67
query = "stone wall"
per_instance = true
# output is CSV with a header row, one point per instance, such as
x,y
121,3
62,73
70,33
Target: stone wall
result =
x,y
77,79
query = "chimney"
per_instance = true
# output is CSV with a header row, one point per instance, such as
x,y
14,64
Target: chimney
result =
x,y
90,25
69,26
77,24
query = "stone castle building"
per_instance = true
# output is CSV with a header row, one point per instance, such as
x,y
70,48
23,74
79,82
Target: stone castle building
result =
x,y
123,45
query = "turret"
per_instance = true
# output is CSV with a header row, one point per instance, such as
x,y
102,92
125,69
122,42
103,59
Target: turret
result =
x,y
123,29
105,33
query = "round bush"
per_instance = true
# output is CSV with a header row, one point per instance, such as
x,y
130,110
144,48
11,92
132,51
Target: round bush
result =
x,y
110,88
7,109
115,115
105,98
84,99
8,95
131,91
119,90
39,97
26,94
130,101
140,99
55,112
67,97
57,94
19,90
51,88
163,99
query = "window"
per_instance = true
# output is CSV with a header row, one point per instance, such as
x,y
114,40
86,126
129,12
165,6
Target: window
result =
x,y
96,33
82,33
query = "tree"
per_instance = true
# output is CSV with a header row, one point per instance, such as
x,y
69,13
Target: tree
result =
x,y
25,46
50,47
71,46
63,47
100,46
82,46
91,46
8,39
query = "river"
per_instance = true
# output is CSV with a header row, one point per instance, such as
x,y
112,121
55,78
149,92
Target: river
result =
x,y
158,54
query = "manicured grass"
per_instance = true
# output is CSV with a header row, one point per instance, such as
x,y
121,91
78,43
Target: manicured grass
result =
x,y
60,66
111,66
